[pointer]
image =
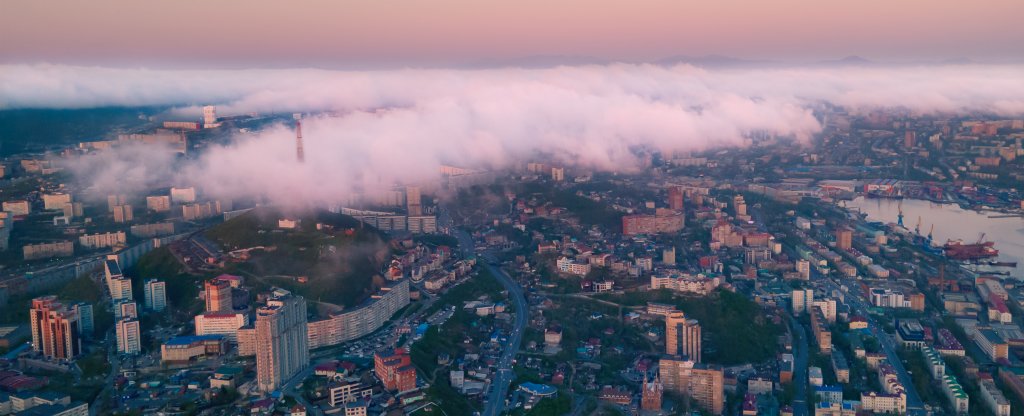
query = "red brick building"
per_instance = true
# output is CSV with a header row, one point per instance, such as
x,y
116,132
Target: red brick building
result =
x,y
395,370
650,398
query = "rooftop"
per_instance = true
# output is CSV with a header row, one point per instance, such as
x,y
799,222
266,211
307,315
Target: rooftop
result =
x,y
192,339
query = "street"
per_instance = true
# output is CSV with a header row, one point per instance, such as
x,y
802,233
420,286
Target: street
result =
x,y
914,404
499,386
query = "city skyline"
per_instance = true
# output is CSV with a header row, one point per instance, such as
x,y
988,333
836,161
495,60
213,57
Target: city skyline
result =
x,y
573,208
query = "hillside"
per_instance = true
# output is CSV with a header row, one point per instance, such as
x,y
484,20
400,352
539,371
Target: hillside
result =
x,y
339,261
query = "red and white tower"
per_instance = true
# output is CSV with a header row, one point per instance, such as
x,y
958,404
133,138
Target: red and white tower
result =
x,y
300,154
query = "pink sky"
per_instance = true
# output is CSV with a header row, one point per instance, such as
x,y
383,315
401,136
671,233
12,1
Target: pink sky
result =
x,y
320,31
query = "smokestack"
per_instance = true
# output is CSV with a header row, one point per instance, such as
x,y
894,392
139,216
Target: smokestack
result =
x,y
299,153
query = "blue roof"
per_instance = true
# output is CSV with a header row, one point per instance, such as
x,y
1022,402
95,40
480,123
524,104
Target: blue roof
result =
x,y
186,340
14,353
829,388
538,389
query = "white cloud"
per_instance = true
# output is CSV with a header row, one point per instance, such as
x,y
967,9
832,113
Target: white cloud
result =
x,y
399,126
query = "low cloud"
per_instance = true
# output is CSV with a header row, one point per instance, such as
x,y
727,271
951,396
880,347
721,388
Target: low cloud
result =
x,y
398,126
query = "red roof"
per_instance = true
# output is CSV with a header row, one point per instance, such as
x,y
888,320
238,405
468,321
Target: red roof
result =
x,y
228,277
997,303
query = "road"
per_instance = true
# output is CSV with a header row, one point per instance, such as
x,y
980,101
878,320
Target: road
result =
x,y
495,403
496,400
115,369
914,404
289,386
800,347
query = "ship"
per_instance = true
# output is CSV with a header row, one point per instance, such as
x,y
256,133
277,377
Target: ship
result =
x,y
959,250
883,195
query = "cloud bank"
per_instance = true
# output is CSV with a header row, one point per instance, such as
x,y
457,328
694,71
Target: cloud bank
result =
x,y
398,126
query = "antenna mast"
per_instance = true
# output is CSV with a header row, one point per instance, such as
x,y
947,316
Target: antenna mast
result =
x,y
300,154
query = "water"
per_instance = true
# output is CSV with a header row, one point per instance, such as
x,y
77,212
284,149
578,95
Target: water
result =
x,y
952,223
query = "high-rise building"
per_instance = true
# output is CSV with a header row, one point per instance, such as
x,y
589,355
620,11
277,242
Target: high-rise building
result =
x,y
802,300
558,174
702,383
650,394
395,370
129,336
803,267
116,200
125,308
282,348
682,336
55,331
739,205
86,322
819,326
909,139
844,238
121,288
183,195
158,203
414,201
668,256
74,209
123,214
675,198
218,295
209,116
155,295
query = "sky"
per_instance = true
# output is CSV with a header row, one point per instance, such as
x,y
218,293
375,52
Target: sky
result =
x,y
338,32
394,88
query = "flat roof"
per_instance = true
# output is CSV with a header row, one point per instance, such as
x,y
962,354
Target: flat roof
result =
x,y
191,339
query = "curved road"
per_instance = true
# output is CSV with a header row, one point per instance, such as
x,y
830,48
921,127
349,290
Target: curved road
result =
x,y
495,403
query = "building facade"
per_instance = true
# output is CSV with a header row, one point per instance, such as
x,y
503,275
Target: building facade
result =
x,y
221,323
129,336
155,294
282,348
682,336
703,383
55,330
218,295
362,320
395,370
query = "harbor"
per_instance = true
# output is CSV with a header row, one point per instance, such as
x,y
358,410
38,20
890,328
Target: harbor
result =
x,y
949,223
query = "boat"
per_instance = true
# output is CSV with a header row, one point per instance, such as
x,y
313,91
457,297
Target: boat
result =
x,y
959,250
882,195
1001,263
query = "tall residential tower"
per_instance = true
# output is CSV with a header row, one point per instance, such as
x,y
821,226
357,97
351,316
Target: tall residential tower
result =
x,y
282,348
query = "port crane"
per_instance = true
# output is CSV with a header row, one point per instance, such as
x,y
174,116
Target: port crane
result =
x,y
899,217
917,228
930,234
